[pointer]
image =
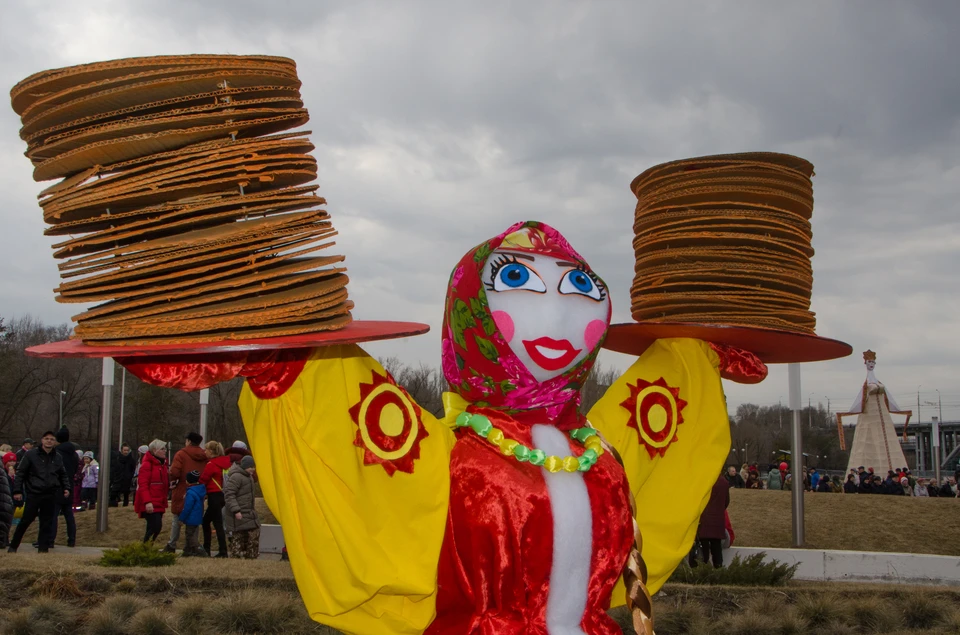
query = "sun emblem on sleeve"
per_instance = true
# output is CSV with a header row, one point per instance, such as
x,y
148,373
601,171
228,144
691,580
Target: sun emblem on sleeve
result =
x,y
388,422
656,410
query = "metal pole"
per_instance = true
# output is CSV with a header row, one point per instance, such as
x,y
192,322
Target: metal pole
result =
x,y
106,446
204,401
796,449
935,432
61,408
123,393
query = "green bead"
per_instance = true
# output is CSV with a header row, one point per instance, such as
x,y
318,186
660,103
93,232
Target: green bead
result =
x,y
582,434
521,453
481,425
537,457
463,419
587,460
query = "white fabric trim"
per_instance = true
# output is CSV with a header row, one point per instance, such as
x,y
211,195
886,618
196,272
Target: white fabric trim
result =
x,y
572,538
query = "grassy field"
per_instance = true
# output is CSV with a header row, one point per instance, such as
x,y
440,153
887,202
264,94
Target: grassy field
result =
x,y
44,595
761,518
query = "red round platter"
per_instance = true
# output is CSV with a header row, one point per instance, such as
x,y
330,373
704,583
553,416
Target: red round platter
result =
x,y
355,332
771,346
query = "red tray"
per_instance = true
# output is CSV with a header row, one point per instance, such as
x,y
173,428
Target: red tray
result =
x,y
771,346
355,332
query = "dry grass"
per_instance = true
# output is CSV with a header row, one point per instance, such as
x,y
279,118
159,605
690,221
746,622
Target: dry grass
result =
x,y
761,518
71,594
124,527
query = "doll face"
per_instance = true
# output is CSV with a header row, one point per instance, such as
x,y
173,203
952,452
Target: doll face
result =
x,y
870,364
551,312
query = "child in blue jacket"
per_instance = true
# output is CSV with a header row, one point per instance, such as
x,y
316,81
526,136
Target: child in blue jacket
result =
x,y
192,515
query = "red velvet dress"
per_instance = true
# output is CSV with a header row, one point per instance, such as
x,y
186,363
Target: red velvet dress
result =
x,y
495,563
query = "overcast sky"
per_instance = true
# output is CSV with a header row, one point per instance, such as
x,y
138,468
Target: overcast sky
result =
x,y
439,124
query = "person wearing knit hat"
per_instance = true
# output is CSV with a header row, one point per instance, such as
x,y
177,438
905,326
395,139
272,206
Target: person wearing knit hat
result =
x,y
240,514
91,478
141,451
237,451
191,514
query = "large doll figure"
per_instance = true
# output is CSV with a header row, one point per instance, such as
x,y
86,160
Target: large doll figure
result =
x,y
511,515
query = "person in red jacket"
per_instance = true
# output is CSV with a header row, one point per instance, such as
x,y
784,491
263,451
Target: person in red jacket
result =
x,y
153,483
212,477
191,458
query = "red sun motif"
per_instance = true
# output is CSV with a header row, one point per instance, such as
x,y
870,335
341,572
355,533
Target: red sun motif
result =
x,y
656,410
388,422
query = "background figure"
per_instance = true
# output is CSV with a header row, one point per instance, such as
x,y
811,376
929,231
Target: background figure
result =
x,y
40,479
91,476
212,477
191,515
153,481
773,478
71,465
241,516
6,510
712,529
122,468
191,458
237,451
141,452
26,447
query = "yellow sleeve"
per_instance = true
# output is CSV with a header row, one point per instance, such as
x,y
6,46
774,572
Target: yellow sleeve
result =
x,y
667,417
358,477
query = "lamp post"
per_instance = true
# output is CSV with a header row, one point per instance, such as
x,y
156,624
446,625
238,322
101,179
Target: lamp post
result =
x,y
62,393
796,454
935,433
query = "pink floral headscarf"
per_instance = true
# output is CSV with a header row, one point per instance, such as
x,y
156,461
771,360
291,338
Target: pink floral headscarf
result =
x,y
477,360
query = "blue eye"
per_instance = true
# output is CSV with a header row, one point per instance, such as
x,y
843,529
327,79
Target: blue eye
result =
x,y
514,276
511,276
581,283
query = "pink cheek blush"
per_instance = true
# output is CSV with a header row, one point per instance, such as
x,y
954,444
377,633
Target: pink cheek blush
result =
x,y
504,324
593,333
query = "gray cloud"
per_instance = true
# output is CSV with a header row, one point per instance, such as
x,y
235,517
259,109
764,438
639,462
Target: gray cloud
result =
x,y
439,124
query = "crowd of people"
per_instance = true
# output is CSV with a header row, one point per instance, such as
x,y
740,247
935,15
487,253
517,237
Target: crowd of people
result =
x,y
204,487
863,480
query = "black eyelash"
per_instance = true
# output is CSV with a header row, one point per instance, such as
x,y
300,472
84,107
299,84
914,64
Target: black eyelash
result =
x,y
499,263
602,287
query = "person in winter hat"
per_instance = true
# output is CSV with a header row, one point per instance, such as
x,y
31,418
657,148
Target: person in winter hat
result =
x,y
191,458
91,476
237,451
153,484
241,516
141,452
191,514
212,477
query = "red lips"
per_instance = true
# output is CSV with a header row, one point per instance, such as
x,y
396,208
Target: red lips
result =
x,y
550,354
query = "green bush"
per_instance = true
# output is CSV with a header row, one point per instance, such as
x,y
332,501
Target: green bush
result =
x,y
137,554
749,571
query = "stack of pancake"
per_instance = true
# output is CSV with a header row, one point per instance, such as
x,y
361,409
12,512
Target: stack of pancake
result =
x,y
189,214
725,240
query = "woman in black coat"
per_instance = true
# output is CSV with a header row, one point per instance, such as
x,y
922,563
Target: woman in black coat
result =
x,y
6,510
